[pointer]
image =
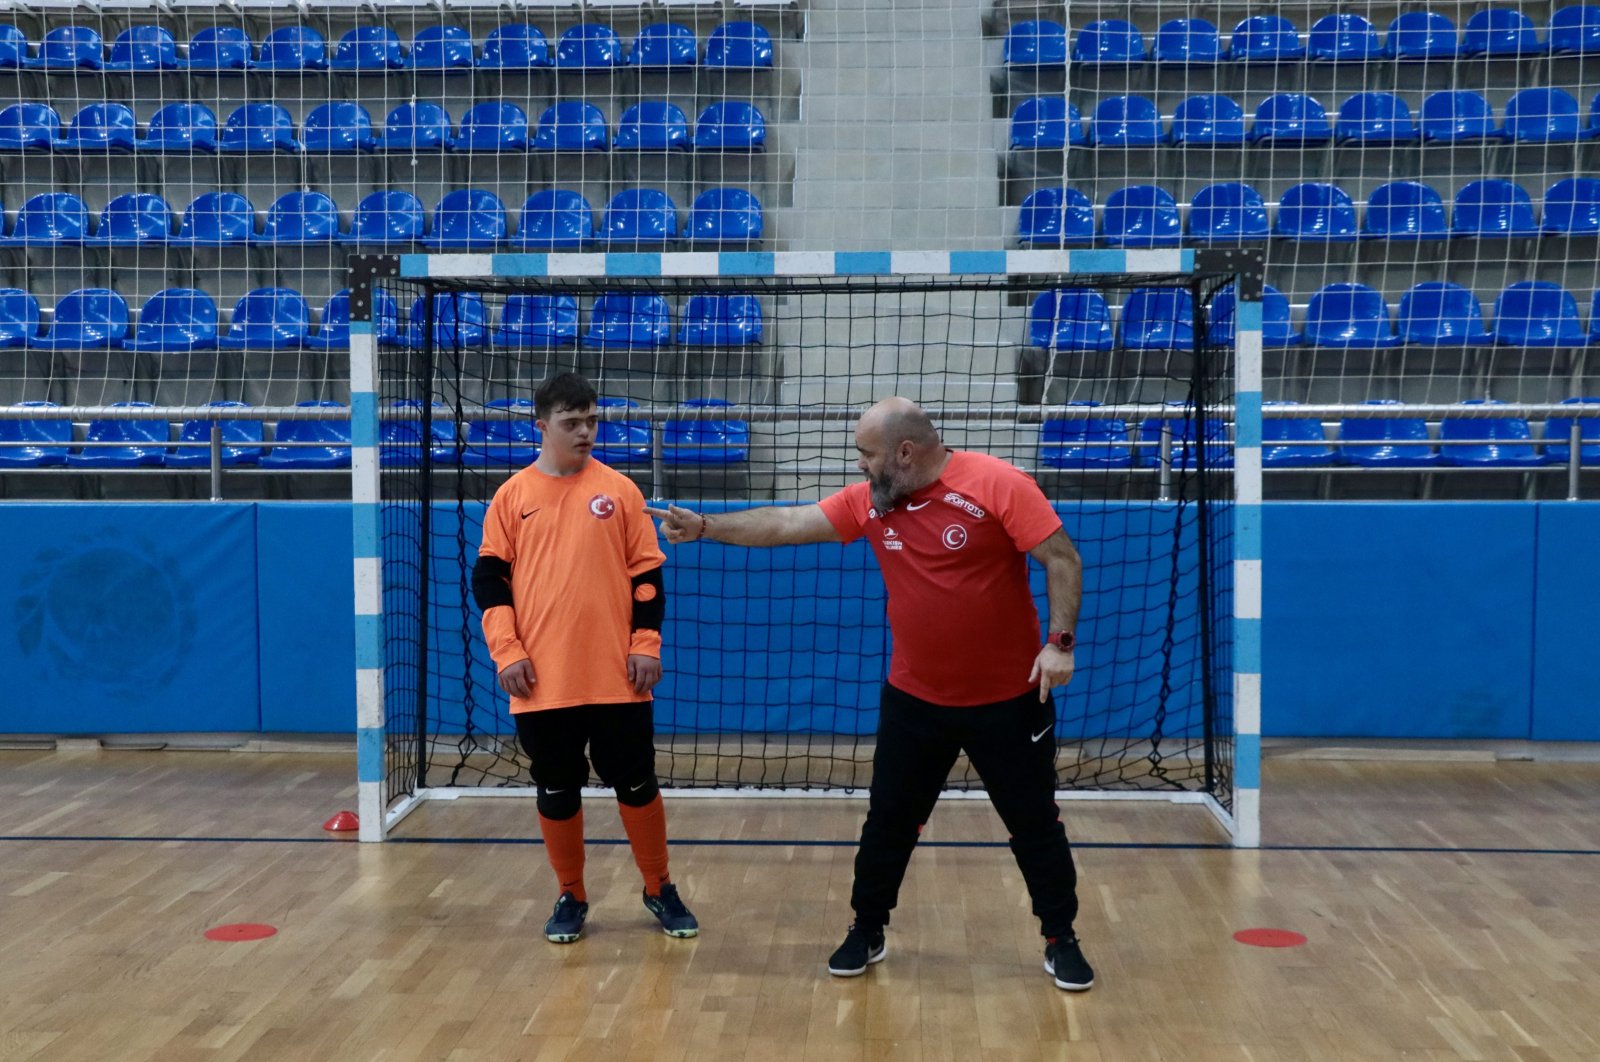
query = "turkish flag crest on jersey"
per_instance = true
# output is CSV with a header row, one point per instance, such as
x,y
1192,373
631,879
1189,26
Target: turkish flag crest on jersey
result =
x,y
601,507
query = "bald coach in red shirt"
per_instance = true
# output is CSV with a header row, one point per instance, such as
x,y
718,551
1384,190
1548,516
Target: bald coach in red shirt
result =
x,y
952,531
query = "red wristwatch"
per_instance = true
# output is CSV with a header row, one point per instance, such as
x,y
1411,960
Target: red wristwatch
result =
x,y
1063,640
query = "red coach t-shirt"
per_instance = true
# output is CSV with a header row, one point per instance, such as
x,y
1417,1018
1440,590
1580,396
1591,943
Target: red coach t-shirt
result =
x,y
954,557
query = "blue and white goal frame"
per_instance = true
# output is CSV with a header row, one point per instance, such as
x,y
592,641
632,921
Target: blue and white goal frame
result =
x,y
1055,268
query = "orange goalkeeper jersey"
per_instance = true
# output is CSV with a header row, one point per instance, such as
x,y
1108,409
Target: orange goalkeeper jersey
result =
x,y
574,544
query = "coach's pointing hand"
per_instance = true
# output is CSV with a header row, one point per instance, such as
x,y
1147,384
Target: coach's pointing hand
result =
x,y
1051,668
679,525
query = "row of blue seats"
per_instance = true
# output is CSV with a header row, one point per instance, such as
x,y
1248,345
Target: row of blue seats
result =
x,y
1091,442
465,219
147,49
345,127
1146,215
180,320
1529,313
1335,38
326,443
1532,116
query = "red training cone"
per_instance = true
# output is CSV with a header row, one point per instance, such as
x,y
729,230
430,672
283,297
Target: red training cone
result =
x,y
342,822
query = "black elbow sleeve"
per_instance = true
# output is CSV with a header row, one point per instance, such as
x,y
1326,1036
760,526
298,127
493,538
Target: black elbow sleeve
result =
x,y
649,600
491,582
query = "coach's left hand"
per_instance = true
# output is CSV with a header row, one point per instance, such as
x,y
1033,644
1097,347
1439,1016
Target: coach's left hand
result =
x,y
643,672
1051,668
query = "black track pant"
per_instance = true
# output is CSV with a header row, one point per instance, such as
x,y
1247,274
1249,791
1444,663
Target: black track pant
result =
x,y
1012,746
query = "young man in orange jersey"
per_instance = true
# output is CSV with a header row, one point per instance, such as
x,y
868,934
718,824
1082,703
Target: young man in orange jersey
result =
x,y
952,531
569,581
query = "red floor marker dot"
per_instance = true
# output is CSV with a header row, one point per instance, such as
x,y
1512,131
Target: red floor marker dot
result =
x,y
342,822
241,931
1270,938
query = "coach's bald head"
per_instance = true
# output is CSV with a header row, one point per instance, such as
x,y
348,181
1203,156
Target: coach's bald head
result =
x,y
900,450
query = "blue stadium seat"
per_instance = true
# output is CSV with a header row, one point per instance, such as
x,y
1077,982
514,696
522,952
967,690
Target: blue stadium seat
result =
x,y
388,218
652,125
29,126
1265,39
1349,317
99,129
442,49
241,441
1038,44
338,127
46,440
629,321
468,219
1112,42
1218,454
1439,314
739,46
181,129
422,125
176,321
1510,442
721,321
1416,36
555,219
259,128
1070,319
1544,116
640,217
1575,30
1125,122
589,46
268,319
726,217
293,50
13,47
571,125
1056,217
400,441
133,219
730,126
68,48
86,319
537,321
1537,313
1381,442
1375,118
334,333
1291,118
1558,435
19,317
1572,207
621,442
1277,329
221,50
516,46
494,125
664,46
1187,42
1228,213
1500,31
217,219
705,442
368,50
1493,208
49,219
333,437
1343,38
1046,123
299,219
460,319
1452,117
1321,213
143,50
1079,443
1158,319
1293,442
502,443
1142,215
1209,120
1405,210
145,442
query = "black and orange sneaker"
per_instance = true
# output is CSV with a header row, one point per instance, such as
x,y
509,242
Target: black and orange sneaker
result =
x,y
565,923
675,919
1063,960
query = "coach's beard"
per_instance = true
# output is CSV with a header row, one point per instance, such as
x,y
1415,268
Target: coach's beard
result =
x,y
886,491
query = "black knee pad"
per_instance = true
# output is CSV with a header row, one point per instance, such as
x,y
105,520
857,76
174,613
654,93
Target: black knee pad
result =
x,y
638,793
560,805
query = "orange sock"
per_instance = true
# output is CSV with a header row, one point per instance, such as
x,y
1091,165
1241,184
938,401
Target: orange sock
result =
x,y
647,836
563,843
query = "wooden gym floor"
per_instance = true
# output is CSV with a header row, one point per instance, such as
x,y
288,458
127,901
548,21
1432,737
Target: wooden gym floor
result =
x,y
1449,909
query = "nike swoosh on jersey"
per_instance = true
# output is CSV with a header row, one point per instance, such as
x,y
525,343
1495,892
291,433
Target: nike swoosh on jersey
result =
x,y
530,512
914,508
